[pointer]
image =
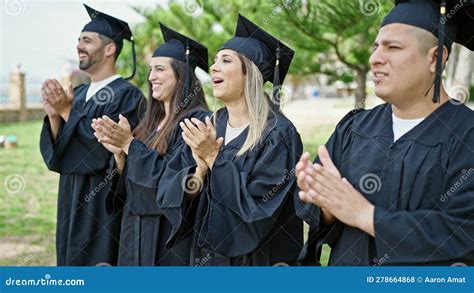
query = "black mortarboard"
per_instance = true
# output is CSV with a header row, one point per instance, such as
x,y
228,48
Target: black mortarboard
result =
x,y
111,27
183,48
175,47
269,54
449,21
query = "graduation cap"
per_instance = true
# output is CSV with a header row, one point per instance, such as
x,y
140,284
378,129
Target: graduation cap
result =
x,y
183,48
111,27
269,54
431,15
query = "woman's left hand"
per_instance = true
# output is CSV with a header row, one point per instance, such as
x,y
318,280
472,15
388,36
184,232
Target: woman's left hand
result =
x,y
116,134
202,139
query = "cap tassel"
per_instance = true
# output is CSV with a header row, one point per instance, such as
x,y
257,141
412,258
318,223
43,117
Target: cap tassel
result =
x,y
134,56
186,74
439,58
276,79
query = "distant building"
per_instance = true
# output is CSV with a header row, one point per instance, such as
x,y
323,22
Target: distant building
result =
x,y
16,104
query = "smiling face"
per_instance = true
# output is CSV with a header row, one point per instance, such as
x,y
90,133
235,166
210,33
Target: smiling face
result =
x,y
91,50
162,78
402,62
228,79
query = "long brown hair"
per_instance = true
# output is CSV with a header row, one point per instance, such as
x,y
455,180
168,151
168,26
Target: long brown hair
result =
x,y
180,105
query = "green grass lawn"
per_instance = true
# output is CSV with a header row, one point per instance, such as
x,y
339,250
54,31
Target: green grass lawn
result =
x,y
28,194
27,200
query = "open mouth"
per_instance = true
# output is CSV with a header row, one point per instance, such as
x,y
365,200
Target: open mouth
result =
x,y
379,76
216,81
82,55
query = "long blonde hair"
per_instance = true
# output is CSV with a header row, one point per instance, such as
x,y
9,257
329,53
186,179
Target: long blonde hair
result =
x,y
258,104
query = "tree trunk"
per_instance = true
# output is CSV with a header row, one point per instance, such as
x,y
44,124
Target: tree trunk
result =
x,y
452,64
459,88
360,94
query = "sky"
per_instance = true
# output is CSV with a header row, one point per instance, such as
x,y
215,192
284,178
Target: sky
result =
x,y
42,35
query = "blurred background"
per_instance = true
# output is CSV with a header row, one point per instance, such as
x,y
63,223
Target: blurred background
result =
x,y
329,77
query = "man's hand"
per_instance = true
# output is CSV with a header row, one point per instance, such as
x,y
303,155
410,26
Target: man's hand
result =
x,y
339,198
52,114
304,166
57,98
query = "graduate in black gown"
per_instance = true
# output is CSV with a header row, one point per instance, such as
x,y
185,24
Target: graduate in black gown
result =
x,y
86,234
175,93
394,185
231,186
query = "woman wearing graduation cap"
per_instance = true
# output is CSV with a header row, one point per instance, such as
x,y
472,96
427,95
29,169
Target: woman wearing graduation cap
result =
x,y
175,93
238,174
394,185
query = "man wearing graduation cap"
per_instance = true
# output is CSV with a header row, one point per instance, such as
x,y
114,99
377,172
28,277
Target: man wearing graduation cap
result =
x,y
395,185
86,234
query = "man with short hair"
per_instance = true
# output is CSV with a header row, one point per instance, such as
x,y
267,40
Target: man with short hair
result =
x,y
394,185
86,234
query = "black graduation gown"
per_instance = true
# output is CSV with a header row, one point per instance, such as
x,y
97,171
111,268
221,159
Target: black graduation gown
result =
x,y
422,187
244,214
86,234
144,230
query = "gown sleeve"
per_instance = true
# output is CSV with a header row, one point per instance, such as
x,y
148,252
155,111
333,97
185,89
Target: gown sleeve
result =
x,y
145,168
146,165
172,200
440,234
117,194
243,206
172,197
47,145
76,150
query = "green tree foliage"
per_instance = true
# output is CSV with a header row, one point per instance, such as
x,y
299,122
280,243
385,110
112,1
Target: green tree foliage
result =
x,y
332,37
346,28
